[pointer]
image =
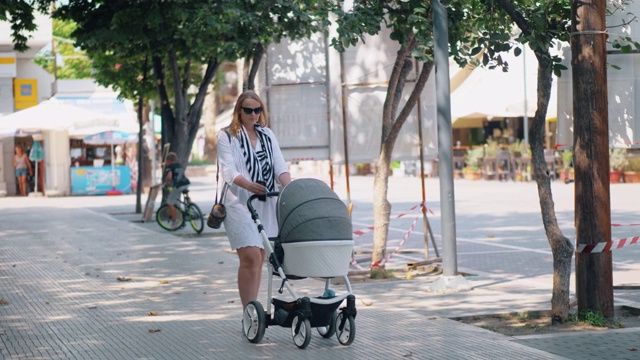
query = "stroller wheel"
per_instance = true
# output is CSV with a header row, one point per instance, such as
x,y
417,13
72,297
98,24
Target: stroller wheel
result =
x,y
254,322
346,331
328,331
301,331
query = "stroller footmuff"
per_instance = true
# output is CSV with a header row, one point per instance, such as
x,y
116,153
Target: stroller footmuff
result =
x,y
315,240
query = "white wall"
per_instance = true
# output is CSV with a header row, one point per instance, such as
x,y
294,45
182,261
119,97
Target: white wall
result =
x,y
304,91
624,129
57,163
7,173
27,69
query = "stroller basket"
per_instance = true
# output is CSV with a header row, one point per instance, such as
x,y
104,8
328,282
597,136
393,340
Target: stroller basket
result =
x,y
316,234
321,313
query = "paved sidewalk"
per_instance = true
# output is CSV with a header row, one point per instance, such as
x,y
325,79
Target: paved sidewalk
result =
x,y
60,260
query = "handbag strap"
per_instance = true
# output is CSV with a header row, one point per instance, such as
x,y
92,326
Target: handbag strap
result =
x,y
225,186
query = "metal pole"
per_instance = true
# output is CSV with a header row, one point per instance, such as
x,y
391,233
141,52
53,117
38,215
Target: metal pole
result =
x,y
425,221
445,146
344,133
525,119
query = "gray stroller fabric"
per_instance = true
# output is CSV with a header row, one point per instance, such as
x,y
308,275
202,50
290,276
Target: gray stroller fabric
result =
x,y
308,210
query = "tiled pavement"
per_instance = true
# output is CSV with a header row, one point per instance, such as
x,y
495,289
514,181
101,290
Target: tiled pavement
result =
x,y
60,260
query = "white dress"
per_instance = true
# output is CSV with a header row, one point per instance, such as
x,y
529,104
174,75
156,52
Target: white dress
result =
x,y
240,228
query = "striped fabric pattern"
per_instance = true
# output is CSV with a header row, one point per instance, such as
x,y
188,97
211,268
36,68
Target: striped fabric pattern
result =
x,y
259,164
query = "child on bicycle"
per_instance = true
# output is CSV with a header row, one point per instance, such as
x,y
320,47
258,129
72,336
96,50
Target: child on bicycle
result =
x,y
174,176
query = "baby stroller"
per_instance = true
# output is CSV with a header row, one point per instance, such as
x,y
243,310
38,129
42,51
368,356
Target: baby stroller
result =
x,y
315,240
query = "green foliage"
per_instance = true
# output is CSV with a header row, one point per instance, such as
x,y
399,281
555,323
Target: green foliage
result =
x,y
520,147
619,39
617,159
472,158
76,64
20,14
567,158
633,164
491,148
593,318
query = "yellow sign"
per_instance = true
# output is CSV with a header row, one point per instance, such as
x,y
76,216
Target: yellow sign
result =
x,y
25,92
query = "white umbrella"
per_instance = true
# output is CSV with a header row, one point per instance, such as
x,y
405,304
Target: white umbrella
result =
x,y
111,138
49,115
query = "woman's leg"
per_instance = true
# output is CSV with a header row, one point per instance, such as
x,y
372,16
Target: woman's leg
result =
x,y
22,182
249,273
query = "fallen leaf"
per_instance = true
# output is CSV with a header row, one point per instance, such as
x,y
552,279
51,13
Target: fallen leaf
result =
x,y
122,278
14,265
220,262
93,307
154,331
410,354
153,313
367,302
633,349
491,236
164,282
3,301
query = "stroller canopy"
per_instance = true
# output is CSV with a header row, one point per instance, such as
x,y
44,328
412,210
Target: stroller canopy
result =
x,y
308,210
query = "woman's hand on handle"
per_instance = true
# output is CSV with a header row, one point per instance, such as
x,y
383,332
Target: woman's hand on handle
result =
x,y
250,186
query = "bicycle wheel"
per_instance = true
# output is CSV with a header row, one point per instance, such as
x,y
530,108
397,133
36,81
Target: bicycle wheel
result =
x,y
195,218
163,217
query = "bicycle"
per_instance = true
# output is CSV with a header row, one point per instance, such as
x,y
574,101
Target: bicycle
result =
x,y
186,211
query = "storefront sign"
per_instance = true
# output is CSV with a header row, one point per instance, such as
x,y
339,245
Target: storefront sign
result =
x,y
25,92
89,180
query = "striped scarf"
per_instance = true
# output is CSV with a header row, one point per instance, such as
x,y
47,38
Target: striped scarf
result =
x,y
259,164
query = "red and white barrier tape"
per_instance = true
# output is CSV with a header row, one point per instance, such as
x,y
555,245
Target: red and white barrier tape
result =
x,y
413,225
370,228
606,246
625,224
355,264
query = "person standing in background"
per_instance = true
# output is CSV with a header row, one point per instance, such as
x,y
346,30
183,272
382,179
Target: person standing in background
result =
x,y
22,164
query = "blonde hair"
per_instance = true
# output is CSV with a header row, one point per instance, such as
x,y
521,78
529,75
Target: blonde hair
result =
x,y
236,122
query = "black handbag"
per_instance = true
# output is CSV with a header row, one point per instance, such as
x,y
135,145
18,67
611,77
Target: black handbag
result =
x,y
218,212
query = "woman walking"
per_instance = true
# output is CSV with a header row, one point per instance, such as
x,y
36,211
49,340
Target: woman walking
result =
x,y
251,163
22,164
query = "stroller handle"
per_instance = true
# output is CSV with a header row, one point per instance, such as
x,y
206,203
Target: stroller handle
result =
x,y
252,210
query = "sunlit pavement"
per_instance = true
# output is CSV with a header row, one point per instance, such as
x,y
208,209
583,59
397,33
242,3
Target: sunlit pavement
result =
x,y
176,298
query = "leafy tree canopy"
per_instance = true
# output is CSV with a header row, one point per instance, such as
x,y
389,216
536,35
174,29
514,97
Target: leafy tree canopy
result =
x,y
20,14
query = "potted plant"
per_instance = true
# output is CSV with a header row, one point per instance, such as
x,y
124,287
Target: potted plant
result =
x,y
521,154
471,169
631,170
617,161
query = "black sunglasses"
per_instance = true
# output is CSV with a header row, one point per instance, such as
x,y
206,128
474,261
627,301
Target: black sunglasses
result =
x,y
248,111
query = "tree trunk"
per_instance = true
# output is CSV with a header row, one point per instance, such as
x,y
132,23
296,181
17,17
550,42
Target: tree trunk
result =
x,y
209,117
390,129
561,247
381,212
180,125
594,277
255,64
